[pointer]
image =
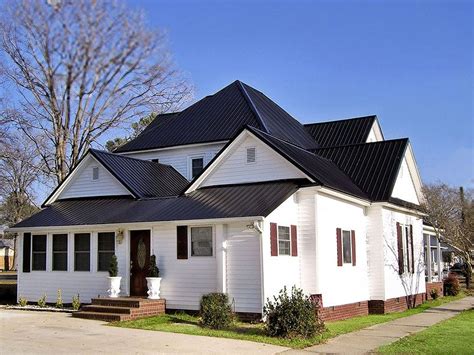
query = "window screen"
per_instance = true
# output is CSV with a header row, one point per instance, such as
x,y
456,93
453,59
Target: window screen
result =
x,y
197,164
346,247
201,241
283,240
39,252
106,248
60,252
82,251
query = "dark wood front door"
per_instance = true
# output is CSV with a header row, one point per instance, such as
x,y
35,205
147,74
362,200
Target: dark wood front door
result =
x,y
139,261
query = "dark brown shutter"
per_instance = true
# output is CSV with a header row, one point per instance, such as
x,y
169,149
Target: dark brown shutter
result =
x,y
294,241
353,243
400,249
26,252
412,251
273,240
339,246
182,242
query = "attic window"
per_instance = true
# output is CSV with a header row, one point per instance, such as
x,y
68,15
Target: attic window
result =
x,y
95,173
251,155
155,160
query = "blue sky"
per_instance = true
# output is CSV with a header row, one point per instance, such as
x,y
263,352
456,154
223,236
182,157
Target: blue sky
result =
x,y
408,62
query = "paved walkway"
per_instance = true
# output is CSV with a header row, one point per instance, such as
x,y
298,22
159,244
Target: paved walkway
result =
x,y
23,332
369,339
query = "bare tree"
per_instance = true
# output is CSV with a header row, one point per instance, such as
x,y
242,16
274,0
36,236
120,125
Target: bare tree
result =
x,y
450,212
81,68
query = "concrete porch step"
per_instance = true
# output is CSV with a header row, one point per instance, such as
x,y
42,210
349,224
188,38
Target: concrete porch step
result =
x,y
106,317
106,309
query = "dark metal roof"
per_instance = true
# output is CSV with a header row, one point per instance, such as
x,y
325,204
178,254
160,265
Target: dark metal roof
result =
x,y
218,118
322,170
207,203
141,177
372,166
341,132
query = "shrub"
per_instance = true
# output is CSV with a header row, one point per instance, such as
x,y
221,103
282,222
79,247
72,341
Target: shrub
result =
x,y
153,270
291,316
434,294
59,299
113,266
216,311
42,301
451,285
22,302
76,303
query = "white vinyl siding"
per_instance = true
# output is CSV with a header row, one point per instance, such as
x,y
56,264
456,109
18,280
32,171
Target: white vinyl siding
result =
x,y
404,188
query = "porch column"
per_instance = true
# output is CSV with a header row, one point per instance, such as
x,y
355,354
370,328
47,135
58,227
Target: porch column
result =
x,y
221,236
440,270
428,256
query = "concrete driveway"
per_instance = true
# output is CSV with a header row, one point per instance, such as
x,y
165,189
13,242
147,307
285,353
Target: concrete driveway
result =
x,y
59,333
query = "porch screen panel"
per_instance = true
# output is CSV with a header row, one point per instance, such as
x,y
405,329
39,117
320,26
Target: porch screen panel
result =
x,y
39,253
26,252
82,252
106,248
59,252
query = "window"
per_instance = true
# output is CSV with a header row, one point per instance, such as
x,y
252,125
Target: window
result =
x,y
39,253
284,242
82,251
346,247
406,250
59,252
106,248
201,241
251,155
95,173
197,165
155,160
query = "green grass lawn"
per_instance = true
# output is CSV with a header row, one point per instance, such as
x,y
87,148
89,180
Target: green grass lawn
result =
x,y
452,336
188,324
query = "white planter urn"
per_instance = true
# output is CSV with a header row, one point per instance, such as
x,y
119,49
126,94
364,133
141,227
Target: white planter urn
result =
x,y
153,284
114,286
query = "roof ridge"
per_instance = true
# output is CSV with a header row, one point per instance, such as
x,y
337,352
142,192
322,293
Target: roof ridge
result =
x,y
341,120
365,143
252,105
127,157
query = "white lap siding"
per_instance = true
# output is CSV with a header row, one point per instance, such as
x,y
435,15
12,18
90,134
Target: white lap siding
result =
x,y
375,253
243,269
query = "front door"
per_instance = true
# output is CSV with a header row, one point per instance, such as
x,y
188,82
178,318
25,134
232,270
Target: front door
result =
x,y
139,261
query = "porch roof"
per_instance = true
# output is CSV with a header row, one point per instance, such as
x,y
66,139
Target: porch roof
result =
x,y
257,199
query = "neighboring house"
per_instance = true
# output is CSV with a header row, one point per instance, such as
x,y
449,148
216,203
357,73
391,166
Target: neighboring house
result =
x,y
234,195
7,251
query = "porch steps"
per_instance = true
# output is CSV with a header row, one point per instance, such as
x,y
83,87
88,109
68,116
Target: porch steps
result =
x,y
121,309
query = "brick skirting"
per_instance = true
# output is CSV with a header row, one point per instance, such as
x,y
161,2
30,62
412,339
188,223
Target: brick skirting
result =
x,y
345,311
434,286
397,304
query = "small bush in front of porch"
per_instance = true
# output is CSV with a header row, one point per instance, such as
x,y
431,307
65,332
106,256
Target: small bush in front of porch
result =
x,y
42,301
292,316
216,311
76,303
113,266
59,299
451,285
434,294
22,302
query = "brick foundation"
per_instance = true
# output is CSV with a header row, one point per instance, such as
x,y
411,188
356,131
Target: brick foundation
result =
x,y
434,286
397,304
345,311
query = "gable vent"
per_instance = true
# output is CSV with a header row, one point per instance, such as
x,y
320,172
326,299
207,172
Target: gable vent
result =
x,y
251,155
95,173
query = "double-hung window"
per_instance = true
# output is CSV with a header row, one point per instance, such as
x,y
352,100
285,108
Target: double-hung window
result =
x,y
82,252
284,241
197,165
346,247
39,253
59,252
201,241
106,248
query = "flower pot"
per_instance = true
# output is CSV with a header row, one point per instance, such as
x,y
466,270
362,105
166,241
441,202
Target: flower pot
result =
x,y
153,284
114,286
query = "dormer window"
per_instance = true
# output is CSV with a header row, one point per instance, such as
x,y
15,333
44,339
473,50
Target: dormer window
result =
x,y
197,165
95,173
251,155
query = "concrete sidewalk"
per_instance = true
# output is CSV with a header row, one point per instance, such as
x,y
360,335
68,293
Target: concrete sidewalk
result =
x,y
368,339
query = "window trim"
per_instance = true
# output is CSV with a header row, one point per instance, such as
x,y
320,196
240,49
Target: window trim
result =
x,y
190,242
246,155
45,252
350,246
190,164
98,173
60,252
289,239
105,251
82,252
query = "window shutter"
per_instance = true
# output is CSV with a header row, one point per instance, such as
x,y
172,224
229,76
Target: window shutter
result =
x,y
26,252
400,249
339,246
273,239
294,241
412,251
182,242
353,243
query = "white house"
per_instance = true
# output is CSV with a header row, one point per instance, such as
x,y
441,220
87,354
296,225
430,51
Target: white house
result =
x,y
234,195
